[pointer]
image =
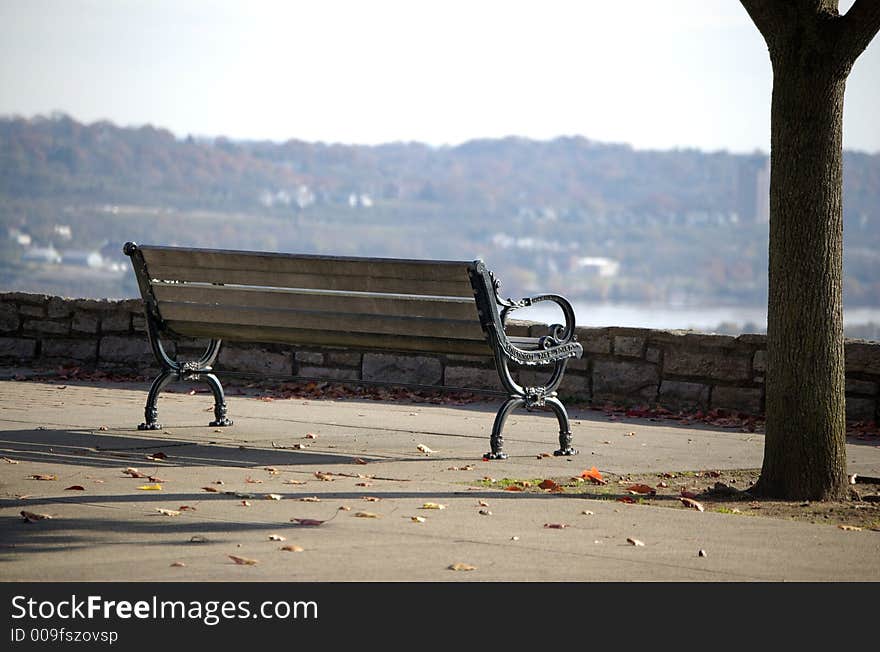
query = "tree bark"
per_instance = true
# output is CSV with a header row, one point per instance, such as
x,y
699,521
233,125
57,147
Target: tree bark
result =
x,y
812,50
804,452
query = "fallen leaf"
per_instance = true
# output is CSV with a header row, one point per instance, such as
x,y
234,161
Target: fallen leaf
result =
x,y
513,487
690,502
310,499
432,506
358,460
294,482
364,484
102,428
243,561
211,489
629,434
150,487
8,460
167,512
134,473
626,499
634,542
32,517
198,538
701,553
245,503
514,538
157,457
594,475
273,496
43,476
178,564
642,489
662,485
424,449
483,503
587,512
272,470
850,528
277,537
344,508
367,515
250,480
460,566
75,487
543,455
218,482
311,435
417,519
556,526
687,494
326,477
371,499
548,484
485,512
185,508
307,521
292,548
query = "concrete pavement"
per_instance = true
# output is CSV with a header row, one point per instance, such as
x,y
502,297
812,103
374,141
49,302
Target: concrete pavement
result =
x,y
85,435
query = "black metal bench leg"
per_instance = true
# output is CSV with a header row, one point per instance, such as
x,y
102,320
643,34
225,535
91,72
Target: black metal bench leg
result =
x,y
497,440
219,401
564,426
151,411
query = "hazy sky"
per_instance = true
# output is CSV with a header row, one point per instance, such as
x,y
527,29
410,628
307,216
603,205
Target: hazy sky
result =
x,y
685,73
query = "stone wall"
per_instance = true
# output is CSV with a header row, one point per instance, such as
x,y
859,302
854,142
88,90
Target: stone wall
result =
x,y
621,366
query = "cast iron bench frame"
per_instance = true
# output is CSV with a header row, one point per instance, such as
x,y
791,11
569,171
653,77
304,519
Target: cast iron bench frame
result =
x,y
405,306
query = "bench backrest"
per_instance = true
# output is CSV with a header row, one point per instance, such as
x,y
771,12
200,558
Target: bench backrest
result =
x,y
371,303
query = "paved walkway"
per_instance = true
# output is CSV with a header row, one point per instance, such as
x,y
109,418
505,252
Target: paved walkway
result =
x,y
85,435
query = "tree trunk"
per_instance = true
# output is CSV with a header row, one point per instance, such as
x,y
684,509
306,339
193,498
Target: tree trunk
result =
x,y
804,454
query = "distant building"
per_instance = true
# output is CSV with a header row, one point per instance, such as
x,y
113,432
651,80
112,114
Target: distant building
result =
x,y
63,231
753,189
44,255
762,194
19,237
602,267
83,259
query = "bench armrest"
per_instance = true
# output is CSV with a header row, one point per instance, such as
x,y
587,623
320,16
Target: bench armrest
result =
x,y
559,333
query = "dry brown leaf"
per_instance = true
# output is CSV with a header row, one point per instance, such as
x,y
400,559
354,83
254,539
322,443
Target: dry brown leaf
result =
x,y
155,478
587,512
311,435
371,499
294,482
344,508
359,460
167,512
292,548
250,480
326,477
850,528
701,553
32,517
641,489
367,515
272,470
629,434
424,449
75,487
310,499
150,487
133,472
211,489
483,503
548,484
178,564
184,508
277,537
556,526
634,542
626,499
9,460
311,522
43,476
364,484
243,561
690,502
245,503
684,493
417,519
432,506
273,496
513,487
461,566
485,512
157,457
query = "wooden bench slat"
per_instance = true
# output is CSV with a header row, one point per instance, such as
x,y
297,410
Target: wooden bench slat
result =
x,y
428,270
304,319
460,288
332,338
355,303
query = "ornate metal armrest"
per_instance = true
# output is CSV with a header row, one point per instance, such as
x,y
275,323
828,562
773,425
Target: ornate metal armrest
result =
x,y
559,334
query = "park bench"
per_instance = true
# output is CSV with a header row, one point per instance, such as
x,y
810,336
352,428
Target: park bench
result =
x,y
425,306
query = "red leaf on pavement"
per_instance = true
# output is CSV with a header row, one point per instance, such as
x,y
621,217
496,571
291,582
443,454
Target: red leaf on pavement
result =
x,y
626,499
642,489
75,487
687,494
307,521
548,484
513,487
